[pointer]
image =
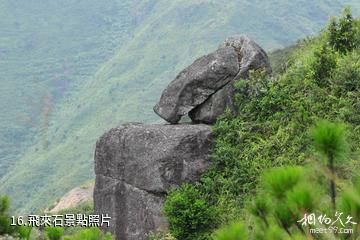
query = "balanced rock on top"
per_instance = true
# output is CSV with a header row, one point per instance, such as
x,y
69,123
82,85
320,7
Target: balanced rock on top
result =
x,y
251,57
205,88
196,83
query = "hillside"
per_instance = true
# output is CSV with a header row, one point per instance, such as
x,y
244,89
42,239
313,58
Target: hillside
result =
x,y
47,50
162,39
307,115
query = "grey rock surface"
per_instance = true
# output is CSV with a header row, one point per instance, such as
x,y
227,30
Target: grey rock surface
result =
x,y
206,88
136,165
196,83
251,57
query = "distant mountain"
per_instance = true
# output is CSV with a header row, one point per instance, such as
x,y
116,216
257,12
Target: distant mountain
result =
x,y
73,69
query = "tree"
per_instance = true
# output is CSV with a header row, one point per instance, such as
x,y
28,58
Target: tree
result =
x,y
342,35
329,139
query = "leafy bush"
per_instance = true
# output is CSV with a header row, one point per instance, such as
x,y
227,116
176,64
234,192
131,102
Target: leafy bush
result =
x,y
189,216
24,232
54,233
5,220
342,33
323,65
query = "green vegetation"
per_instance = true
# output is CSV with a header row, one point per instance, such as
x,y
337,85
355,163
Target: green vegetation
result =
x,y
69,75
287,196
5,220
272,130
187,211
54,233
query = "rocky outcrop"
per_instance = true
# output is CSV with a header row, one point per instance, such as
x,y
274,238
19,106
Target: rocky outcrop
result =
x,y
206,88
196,83
136,165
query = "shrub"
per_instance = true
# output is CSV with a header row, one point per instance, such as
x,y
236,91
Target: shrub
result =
x,y
189,216
323,65
54,233
24,232
235,231
5,222
342,33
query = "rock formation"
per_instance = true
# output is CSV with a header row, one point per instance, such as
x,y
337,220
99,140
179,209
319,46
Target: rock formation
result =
x,y
205,88
196,83
136,165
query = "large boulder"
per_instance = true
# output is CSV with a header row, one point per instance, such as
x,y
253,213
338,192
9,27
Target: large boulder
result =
x,y
206,88
251,57
136,165
196,83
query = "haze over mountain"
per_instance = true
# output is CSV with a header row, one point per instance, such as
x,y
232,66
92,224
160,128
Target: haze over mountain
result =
x,y
72,69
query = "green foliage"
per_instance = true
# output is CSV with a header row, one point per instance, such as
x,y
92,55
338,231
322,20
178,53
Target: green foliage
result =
x,y
342,33
283,218
329,138
54,233
350,201
5,220
280,180
235,231
271,129
286,195
189,216
24,232
323,65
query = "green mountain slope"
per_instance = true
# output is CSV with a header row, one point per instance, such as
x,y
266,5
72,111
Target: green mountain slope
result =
x,y
164,38
47,50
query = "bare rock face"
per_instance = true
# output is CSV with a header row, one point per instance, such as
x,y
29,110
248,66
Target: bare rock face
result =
x,y
205,98
136,165
251,56
196,83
